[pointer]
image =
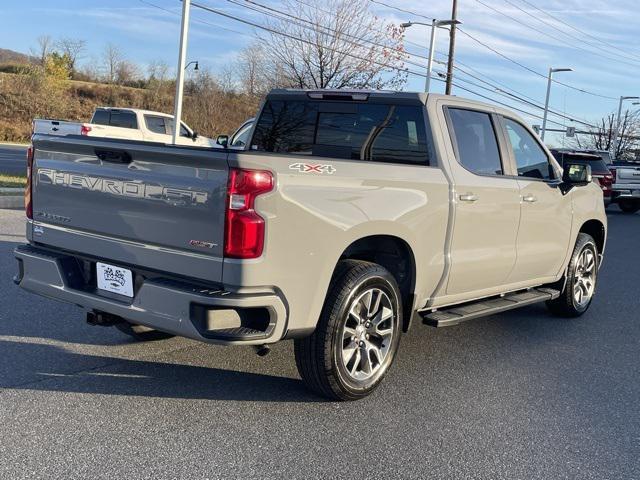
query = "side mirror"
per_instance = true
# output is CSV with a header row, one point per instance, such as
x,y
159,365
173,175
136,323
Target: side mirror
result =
x,y
222,140
194,136
576,174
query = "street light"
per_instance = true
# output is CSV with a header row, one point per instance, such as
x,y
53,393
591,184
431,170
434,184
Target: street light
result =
x,y
616,144
434,24
191,63
546,103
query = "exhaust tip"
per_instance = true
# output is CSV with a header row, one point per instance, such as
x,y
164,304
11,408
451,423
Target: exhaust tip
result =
x,y
262,350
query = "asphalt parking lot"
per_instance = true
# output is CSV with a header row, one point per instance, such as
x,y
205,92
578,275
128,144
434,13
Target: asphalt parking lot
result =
x,y
520,395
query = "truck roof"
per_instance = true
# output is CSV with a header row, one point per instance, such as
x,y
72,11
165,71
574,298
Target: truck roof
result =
x,y
137,110
383,96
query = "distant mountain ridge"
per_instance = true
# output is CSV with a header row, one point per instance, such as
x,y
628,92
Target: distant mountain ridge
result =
x,y
11,56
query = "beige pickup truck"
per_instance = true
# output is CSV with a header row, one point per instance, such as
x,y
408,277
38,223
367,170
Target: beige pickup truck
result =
x,y
349,216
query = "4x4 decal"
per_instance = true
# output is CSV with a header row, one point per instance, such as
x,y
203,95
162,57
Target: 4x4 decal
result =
x,y
313,168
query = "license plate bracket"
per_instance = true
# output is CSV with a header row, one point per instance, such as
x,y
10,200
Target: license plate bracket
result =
x,y
113,279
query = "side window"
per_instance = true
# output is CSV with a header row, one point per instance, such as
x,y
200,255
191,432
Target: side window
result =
x,y
155,124
476,140
531,159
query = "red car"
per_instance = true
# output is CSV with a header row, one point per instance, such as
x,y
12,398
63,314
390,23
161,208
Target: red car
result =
x,y
599,170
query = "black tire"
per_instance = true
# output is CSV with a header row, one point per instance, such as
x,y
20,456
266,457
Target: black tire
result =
x,y
142,333
320,358
566,305
629,206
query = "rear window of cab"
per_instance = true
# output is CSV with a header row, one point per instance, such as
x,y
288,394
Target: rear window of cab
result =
x,y
355,131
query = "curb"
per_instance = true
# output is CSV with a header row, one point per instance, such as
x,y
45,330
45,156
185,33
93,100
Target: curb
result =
x,y
11,144
17,191
12,202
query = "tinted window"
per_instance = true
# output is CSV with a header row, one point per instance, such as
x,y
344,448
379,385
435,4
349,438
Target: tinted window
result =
x,y
101,117
183,130
123,119
384,133
156,124
476,141
531,159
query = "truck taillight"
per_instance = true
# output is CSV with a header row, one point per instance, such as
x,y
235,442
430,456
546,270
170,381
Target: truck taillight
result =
x,y
85,129
244,235
28,198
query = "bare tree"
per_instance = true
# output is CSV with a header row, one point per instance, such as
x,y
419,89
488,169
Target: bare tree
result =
x,y
126,72
252,70
603,137
43,49
74,48
111,57
336,45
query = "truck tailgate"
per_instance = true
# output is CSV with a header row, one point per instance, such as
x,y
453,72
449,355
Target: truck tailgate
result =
x,y
628,174
134,203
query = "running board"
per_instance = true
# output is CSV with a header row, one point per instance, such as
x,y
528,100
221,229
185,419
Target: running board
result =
x,y
461,313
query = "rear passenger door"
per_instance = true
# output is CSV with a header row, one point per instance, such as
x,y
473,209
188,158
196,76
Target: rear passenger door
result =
x,y
487,204
545,225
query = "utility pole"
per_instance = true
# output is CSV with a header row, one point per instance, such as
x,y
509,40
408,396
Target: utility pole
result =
x,y
617,140
452,45
546,102
182,55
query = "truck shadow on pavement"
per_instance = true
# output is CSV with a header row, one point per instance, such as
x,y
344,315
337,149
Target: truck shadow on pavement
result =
x,y
82,373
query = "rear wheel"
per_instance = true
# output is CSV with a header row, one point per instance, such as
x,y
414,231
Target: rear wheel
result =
x,y
581,278
142,333
357,336
629,206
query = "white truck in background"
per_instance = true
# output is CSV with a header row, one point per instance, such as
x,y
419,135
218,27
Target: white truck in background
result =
x,y
126,124
626,186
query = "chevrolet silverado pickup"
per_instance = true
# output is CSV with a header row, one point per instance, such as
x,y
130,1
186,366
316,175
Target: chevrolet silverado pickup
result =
x,y
349,216
126,124
626,186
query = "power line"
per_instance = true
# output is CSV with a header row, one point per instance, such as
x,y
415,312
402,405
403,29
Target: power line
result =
x,y
529,69
284,16
276,32
616,57
572,27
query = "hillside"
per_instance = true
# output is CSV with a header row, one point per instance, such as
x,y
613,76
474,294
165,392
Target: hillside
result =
x,y
13,57
209,110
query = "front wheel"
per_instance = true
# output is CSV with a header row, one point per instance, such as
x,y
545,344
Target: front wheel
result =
x,y
580,279
357,336
629,206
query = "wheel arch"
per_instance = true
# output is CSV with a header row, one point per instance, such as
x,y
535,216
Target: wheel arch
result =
x,y
394,254
597,230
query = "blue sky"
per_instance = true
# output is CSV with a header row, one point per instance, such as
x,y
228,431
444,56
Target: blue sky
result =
x,y
606,63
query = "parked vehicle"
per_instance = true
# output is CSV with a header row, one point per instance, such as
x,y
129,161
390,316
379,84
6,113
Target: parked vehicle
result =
x,y
127,124
351,215
626,186
599,168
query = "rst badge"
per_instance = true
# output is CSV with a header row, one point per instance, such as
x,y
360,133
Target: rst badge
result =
x,y
313,168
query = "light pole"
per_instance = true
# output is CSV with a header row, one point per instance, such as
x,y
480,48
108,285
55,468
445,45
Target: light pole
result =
x,y
432,43
546,102
184,34
618,140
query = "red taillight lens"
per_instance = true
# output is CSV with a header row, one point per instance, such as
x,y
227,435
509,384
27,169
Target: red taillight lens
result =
x,y
85,129
28,200
244,236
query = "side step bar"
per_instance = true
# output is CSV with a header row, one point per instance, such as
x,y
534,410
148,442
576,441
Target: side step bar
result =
x,y
461,313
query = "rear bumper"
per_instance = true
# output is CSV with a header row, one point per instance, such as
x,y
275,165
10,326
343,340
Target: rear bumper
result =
x,y
206,314
626,191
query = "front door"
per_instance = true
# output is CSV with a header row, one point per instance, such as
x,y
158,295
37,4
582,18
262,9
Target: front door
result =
x,y
546,219
487,205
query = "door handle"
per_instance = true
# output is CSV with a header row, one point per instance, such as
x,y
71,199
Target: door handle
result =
x,y
468,197
529,198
